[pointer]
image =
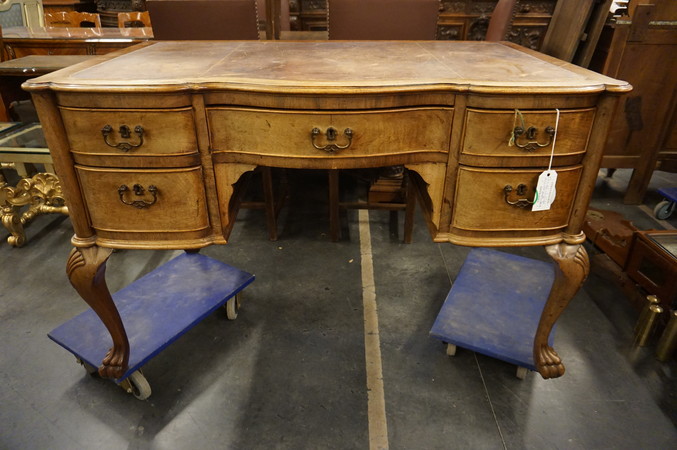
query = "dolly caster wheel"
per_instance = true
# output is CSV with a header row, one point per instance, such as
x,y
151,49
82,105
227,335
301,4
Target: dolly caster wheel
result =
x,y
233,306
451,349
664,209
137,385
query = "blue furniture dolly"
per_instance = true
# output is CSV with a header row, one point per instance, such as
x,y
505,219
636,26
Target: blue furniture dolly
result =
x,y
494,307
156,309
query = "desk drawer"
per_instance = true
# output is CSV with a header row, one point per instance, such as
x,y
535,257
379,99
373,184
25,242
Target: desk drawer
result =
x,y
171,200
290,133
167,133
481,204
488,133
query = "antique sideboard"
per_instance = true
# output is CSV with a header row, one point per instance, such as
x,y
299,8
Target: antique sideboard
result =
x,y
150,141
23,41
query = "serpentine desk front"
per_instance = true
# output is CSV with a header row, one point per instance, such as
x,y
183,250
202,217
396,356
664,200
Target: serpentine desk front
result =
x,y
150,141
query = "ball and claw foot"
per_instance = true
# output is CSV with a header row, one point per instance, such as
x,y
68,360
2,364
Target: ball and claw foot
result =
x,y
113,365
548,363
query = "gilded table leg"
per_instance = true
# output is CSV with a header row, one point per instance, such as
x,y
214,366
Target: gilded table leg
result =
x,y
571,269
86,270
12,222
41,193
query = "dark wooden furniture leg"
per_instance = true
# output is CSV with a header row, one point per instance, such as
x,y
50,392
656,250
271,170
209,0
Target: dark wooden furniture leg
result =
x,y
571,269
86,271
409,210
269,202
334,223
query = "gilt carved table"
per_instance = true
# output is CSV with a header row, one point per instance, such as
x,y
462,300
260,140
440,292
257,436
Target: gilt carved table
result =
x,y
150,141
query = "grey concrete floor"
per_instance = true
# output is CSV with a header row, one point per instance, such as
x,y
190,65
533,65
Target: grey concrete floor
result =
x,y
290,372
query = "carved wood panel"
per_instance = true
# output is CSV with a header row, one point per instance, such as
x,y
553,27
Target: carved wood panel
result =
x,y
109,9
458,20
469,20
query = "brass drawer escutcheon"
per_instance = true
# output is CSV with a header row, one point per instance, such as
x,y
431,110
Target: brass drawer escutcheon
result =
x,y
125,133
331,134
530,134
138,191
520,192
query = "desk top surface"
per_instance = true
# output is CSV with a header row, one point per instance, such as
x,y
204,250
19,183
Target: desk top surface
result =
x,y
323,66
68,33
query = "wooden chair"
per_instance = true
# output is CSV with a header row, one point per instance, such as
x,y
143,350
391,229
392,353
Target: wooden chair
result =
x,y
73,19
383,19
500,21
203,19
134,19
21,13
380,20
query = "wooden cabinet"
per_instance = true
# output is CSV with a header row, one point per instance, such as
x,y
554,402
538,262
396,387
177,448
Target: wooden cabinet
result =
x,y
151,158
642,51
652,263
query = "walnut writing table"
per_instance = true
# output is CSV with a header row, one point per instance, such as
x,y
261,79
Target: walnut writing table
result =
x,y
150,141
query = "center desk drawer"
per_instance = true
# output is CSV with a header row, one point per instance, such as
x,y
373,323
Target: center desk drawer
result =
x,y
290,133
488,135
482,203
121,137
171,200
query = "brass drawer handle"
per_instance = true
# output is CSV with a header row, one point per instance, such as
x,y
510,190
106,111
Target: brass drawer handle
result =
x,y
530,135
125,133
331,134
138,191
520,192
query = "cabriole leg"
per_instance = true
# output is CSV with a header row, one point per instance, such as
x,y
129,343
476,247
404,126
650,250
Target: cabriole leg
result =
x,y
86,270
571,270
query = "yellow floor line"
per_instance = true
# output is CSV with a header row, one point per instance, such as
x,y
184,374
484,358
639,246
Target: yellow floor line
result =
x,y
376,405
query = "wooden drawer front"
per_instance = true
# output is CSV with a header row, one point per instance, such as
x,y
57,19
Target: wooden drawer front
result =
x,y
488,132
165,132
179,203
480,202
288,133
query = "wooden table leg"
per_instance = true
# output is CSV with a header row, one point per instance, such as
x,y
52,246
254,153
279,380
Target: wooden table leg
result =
x,y
571,269
334,207
86,270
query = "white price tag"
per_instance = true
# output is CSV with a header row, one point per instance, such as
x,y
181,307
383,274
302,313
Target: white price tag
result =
x,y
545,190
